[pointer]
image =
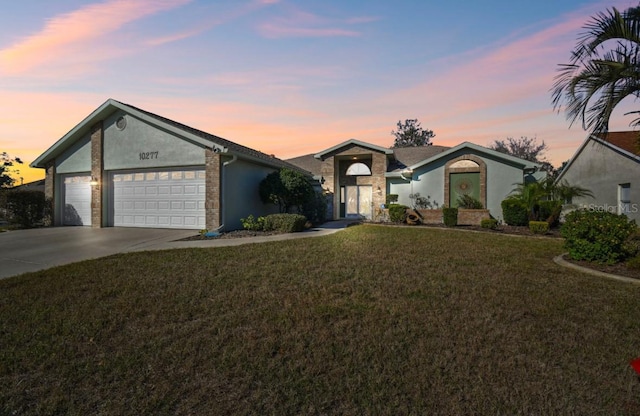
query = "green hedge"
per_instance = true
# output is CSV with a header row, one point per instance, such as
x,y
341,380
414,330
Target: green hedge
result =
x,y
397,213
27,208
286,223
539,227
489,223
598,236
514,212
450,216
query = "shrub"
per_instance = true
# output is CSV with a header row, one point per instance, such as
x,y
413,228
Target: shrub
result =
x,y
286,223
27,208
598,236
397,213
539,227
315,209
550,211
253,224
490,223
469,202
391,199
450,216
515,212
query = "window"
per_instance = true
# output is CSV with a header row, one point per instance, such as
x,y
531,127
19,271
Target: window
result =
x,y
357,169
624,198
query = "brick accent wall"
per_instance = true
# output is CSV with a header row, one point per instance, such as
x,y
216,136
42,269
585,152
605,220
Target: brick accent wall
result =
x,y
482,168
97,172
49,191
213,193
334,168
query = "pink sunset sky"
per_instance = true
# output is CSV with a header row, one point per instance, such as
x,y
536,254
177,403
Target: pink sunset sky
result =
x,y
292,78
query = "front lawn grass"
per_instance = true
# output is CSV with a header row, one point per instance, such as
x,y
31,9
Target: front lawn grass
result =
x,y
371,320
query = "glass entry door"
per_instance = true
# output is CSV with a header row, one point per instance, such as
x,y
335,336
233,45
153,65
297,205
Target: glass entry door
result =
x,y
358,201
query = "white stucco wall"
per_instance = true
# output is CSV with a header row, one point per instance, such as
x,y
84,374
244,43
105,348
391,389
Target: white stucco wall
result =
x,y
77,158
240,193
429,180
602,170
140,146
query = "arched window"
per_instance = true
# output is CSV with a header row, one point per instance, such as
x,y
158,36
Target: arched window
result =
x,y
358,169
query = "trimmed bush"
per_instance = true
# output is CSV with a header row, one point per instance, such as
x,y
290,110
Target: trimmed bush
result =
x,y
491,223
539,227
315,209
469,202
286,223
253,224
397,213
450,216
27,208
598,236
515,212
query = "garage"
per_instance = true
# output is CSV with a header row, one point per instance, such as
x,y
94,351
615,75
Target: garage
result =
x,y
159,199
77,200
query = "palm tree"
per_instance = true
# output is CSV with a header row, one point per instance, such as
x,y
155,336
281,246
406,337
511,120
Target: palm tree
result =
x,y
604,69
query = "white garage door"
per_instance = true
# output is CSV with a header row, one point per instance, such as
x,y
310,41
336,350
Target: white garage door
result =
x,y
77,200
162,199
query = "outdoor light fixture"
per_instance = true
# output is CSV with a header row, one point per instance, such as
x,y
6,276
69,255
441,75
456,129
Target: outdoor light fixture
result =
x,y
94,182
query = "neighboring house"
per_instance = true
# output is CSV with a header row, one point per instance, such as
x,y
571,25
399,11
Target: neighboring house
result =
x,y
359,175
123,166
30,186
609,166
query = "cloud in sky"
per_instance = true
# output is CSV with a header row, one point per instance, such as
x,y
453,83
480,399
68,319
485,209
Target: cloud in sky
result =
x,y
64,35
298,23
291,106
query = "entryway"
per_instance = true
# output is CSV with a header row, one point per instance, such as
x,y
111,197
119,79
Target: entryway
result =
x,y
356,201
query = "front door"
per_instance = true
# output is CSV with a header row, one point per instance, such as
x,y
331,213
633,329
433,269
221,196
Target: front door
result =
x,y
358,201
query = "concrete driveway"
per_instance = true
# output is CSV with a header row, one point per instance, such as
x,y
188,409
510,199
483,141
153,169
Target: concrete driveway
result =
x,y
25,251
31,250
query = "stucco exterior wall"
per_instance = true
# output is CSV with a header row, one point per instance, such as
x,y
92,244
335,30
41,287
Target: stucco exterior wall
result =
x,y
240,193
601,170
429,180
141,146
77,158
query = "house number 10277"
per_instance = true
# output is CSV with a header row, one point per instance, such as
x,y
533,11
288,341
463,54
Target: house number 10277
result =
x,y
148,155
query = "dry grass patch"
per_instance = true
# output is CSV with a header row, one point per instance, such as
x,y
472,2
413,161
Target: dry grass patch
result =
x,y
371,320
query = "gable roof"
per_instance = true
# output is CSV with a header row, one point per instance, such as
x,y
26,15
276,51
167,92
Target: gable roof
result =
x,y
190,134
480,149
409,156
617,142
354,142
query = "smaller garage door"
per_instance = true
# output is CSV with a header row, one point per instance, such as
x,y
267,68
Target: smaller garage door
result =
x,y
77,200
161,199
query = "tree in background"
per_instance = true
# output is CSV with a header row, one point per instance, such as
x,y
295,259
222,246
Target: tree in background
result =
x,y
411,134
7,164
525,148
603,70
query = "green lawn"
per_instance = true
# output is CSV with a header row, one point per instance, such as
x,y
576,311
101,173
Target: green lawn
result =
x,y
371,320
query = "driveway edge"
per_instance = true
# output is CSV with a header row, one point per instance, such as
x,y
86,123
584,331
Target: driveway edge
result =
x,y
559,260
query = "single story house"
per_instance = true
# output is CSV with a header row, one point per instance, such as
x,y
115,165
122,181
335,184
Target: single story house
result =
x,y
360,175
125,167
609,166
